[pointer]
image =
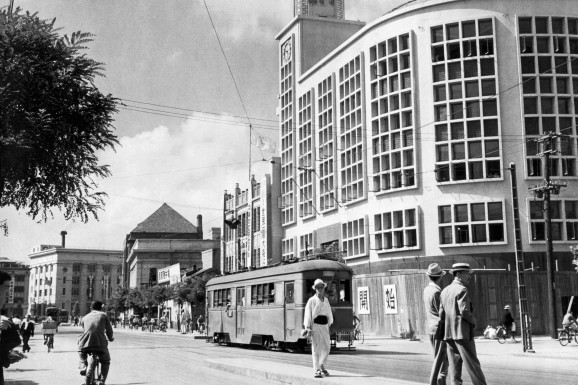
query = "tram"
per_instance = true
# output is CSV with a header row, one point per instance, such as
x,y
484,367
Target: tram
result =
x,y
266,306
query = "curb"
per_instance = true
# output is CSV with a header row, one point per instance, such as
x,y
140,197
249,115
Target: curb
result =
x,y
294,374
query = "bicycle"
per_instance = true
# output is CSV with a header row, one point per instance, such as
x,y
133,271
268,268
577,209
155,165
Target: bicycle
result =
x,y
565,336
93,373
163,327
358,334
502,335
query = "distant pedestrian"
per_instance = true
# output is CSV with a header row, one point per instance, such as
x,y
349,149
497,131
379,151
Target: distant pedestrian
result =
x,y
76,321
569,322
317,321
507,322
457,311
201,324
432,298
27,331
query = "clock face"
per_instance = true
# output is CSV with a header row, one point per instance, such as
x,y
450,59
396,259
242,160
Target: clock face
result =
x,y
286,52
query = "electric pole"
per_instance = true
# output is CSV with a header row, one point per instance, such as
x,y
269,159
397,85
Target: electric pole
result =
x,y
544,191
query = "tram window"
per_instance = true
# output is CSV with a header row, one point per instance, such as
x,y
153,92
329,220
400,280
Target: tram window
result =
x,y
331,292
290,292
263,294
345,290
221,298
240,296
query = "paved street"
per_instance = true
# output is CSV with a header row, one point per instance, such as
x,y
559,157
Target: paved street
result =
x,y
171,358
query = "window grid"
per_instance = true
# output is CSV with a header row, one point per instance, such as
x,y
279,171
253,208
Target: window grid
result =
x,y
287,249
306,159
351,131
353,238
326,142
287,143
564,219
472,224
392,114
396,230
549,47
305,245
467,129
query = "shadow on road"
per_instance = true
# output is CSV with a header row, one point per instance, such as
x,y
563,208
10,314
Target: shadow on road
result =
x,y
18,382
386,353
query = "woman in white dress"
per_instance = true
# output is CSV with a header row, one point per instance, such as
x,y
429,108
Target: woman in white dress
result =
x,y
317,321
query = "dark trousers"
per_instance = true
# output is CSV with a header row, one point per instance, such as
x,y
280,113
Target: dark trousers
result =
x,y
439,370
464,352
25,346
104,358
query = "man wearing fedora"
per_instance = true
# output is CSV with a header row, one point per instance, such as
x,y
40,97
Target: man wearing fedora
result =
x,y
317,321
457,311
431,299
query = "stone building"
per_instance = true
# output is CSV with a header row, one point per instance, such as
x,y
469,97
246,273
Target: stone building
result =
x,y
252,225
16,301
62,276
165,238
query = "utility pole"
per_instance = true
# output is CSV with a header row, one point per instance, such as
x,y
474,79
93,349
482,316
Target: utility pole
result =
x,y
544,191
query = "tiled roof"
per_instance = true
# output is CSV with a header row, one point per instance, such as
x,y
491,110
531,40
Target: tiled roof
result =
x,y
165,220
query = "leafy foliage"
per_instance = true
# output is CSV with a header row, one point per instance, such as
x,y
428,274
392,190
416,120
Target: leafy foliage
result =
x,y
53,120
117,300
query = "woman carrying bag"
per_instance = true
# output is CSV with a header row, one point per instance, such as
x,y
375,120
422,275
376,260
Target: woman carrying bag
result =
x,y
317,321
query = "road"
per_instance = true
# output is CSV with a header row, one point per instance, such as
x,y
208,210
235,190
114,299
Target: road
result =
x,y
171,358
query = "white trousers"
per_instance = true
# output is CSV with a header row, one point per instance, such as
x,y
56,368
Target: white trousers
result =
x,y
320,345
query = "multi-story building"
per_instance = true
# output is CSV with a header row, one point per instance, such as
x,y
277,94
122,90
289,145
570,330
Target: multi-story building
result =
x,y
165,238
62,277
252,225
397,136
16,301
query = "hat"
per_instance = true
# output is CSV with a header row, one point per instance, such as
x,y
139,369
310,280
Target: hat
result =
x,y
319,281
460,266
434,270
507,307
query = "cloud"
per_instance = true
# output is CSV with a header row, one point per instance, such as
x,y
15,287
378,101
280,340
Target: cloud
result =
x,y
188,166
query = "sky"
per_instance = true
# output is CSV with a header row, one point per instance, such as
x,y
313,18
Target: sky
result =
x,y
166,54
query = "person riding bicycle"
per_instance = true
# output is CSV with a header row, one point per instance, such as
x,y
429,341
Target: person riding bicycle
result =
x,y
97,328
569,322
356,322
48,328
507,321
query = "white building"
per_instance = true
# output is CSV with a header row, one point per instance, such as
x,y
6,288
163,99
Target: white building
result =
x,y
396,136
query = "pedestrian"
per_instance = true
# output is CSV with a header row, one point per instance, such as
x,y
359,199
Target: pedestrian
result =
x,y
76,321
27,331
507,322
185,320
431,298
457,311
317,321
201,324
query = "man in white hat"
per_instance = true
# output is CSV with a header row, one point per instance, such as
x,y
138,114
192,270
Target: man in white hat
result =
x,y
431,300
457,311
317,320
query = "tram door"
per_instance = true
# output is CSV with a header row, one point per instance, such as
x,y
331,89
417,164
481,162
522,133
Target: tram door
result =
x,y
240,329
289,309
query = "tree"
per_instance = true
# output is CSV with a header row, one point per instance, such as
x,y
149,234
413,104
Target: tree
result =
x,y
53,120
117,300
134,300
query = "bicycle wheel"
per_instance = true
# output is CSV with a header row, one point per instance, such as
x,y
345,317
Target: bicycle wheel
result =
x,y
563,337
501,336
575,337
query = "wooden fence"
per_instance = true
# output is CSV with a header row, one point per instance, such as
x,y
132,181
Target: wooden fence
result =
x,y
489,290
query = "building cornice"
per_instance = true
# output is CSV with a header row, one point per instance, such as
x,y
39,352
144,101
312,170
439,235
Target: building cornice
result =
x,y
315,18
60,250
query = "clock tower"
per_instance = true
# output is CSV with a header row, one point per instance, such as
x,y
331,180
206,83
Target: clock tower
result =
x,y
334,9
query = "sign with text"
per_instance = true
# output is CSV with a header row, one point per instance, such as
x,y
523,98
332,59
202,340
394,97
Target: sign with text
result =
x,y
171,274
390,299
363,300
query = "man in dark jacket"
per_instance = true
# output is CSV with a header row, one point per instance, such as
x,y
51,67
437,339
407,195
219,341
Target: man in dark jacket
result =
x,y
431,299
97,328
457,311
27,331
